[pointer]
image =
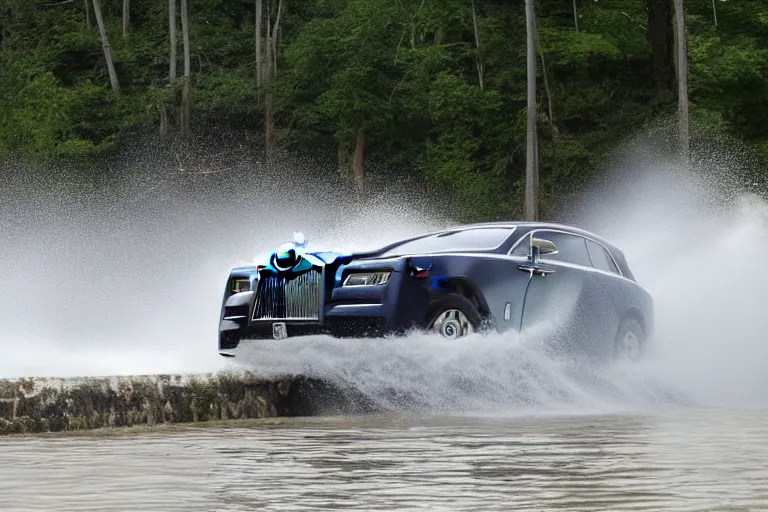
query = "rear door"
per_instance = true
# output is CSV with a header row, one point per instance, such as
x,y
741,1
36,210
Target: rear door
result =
x,y
556,304
609,294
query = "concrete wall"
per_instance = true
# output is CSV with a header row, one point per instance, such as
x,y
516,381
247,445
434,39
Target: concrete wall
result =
x,y
50,405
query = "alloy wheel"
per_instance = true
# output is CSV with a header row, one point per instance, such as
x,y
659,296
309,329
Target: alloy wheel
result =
x,y
452,324
629,347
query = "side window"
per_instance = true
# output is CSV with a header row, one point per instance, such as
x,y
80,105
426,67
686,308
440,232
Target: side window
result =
x,y
600,258
570,248
522,246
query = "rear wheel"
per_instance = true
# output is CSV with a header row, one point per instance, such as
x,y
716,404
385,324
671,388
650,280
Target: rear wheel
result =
x,y
630,341
453,317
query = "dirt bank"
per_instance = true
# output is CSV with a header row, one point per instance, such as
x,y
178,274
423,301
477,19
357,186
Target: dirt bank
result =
x,y
52,405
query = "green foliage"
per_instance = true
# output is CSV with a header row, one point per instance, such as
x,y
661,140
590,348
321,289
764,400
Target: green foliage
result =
x,y
404,73
732,78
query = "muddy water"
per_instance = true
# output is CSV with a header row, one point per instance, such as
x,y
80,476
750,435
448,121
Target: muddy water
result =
x,y
704,460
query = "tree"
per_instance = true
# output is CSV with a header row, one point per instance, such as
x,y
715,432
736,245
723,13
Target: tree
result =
x,y
258,29
531,154
105,46
269,74
185,113
478,60
126,16
576,15
682,78
172,38
87,15
660,37
436,89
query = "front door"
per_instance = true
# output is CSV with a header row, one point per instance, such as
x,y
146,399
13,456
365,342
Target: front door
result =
x,y
554,308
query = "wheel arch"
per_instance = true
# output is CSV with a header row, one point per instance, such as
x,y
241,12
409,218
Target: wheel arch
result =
x,y
636,315
466,288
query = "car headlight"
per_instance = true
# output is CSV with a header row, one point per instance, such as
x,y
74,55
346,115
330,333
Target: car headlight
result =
x,y
239,284
367,278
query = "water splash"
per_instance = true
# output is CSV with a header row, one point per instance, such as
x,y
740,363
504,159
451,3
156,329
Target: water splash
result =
x,y
126,277
694,238
492,374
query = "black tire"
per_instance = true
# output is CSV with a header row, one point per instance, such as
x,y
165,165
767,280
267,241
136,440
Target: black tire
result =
x,y
630,343
451,302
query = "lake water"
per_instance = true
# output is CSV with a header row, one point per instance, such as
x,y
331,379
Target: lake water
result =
x,y
686,460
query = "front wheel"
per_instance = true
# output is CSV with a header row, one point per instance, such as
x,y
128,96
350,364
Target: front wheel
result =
x,y
453,317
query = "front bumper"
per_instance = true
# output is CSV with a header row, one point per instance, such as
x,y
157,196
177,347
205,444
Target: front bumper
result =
x,y
354,312
341,320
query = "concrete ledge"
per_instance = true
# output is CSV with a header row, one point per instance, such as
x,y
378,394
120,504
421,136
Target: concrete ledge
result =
x,y
53,405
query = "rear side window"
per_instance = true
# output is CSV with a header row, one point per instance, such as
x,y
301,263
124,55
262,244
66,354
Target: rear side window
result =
x,y
570,248
600,258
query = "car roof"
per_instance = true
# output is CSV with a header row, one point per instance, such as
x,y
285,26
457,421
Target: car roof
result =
x,y
528,226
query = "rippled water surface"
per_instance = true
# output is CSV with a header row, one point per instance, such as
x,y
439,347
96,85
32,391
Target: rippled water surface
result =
x,y
704,461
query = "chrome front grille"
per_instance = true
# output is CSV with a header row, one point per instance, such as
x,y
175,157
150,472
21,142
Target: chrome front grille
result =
x,y
299,298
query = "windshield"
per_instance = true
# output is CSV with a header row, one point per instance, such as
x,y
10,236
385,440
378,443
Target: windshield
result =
x,y
477,239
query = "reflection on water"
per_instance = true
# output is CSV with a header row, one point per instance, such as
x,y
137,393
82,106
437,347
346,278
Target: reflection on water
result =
x,y
708,460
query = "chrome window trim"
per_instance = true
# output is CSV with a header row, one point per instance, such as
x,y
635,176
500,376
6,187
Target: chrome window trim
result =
x,y
512,230
520,259
615,263
552,230
371,305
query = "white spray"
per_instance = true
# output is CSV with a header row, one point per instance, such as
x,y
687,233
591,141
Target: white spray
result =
x,y
131,281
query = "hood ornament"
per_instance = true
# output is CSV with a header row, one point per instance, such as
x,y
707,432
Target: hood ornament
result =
x,y
300,239
292,258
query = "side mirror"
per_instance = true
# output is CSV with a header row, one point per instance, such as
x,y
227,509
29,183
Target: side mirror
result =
x,y
541,247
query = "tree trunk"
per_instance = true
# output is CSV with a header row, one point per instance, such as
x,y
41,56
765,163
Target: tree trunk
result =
x,y
126,16
714,11
531,159
269,124
576,15
268,44
660,38
479,61
274,36
358,161
269,72
172,35
105,44
185,36
259,11
271,139
682,79
163,120
187,67
87,15
549,95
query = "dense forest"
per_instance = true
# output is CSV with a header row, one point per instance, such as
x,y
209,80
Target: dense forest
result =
x,y
434,87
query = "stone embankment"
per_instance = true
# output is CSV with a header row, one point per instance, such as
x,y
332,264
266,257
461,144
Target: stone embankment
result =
x,y
53,405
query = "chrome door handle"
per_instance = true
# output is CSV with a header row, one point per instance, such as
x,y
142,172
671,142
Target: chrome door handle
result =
x,y
535,270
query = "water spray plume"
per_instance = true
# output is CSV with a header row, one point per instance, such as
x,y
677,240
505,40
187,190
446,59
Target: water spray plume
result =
x,y
126,277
